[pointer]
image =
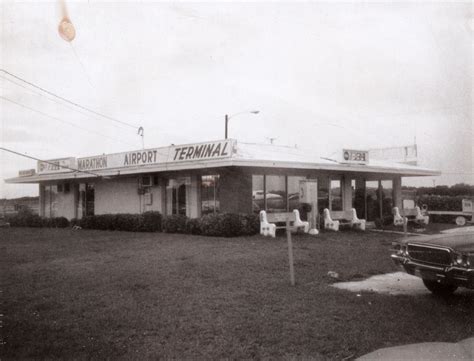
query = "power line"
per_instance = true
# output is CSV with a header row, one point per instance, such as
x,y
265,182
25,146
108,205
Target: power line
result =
x,y
69,101
63,121
48,162
53,100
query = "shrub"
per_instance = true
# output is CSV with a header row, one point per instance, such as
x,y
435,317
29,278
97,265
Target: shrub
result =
x,y
210,225
151,222
250,224
60,222
175,223
441,203
25,218
126,222
193,226
381,223
229,225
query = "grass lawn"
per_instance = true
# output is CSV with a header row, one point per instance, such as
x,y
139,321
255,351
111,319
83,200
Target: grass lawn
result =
x,y
93,294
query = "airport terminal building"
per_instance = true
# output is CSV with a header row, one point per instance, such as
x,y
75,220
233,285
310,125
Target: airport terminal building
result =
x,y
217,176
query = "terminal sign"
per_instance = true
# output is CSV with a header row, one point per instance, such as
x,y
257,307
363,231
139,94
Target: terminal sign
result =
x,y
201,151
355,156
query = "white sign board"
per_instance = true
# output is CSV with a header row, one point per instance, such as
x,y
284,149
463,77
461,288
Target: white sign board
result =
x,y
355,156
407,154
467,205
173,154
27,173
56,165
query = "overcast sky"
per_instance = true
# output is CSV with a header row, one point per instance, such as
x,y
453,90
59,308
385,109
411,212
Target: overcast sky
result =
x,y
324,76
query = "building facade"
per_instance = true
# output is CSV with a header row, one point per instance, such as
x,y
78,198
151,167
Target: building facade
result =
x,y
216,176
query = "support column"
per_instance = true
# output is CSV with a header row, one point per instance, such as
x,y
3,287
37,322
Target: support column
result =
x,y
360,202
193,198
397,192
380,199
346,193
41,200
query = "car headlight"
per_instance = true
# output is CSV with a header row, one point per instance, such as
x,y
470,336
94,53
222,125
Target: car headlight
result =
x,y
404,250
463,260
470,261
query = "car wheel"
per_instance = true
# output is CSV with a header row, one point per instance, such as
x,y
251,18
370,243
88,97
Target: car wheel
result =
x,y
440,289
460,221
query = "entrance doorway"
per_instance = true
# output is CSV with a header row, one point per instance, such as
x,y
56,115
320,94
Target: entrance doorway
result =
x,y
176,196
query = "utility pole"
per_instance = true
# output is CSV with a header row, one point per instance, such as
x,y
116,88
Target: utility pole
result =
x,y
226,123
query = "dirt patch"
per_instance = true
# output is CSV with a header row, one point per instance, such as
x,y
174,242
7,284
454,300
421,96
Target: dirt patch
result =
x,y
398,283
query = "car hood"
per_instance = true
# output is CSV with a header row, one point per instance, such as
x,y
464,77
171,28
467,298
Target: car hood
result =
x,y
462,242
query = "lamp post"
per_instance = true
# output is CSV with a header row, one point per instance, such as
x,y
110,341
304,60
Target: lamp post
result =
x,y
227,117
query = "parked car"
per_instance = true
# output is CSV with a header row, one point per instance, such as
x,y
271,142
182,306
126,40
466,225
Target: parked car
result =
x,y
444,262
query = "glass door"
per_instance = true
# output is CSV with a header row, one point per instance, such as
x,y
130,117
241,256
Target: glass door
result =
x,y
176,199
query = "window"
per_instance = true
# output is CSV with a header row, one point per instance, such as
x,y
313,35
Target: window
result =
x,y
67,187
294,201
89,199
336,195
50,201
210,194
176,195
372,200
275,193
323,193
258,193
387,197
60,187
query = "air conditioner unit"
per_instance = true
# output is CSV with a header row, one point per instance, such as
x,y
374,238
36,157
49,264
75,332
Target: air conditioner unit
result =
x,y
147,181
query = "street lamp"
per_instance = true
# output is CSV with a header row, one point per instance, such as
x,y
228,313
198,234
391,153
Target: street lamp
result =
x,y
227,117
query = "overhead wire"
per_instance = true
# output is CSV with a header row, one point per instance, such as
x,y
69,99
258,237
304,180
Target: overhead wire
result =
x,y
69,101
48,162
63,121
54,100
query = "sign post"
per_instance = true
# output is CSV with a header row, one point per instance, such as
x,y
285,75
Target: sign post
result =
x,y
290,252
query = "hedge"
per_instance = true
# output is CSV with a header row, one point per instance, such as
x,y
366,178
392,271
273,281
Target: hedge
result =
x,y
441,203
145,222
215,225
175,223
26,218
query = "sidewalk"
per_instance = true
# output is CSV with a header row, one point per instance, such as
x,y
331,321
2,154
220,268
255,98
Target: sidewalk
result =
x,y
433,351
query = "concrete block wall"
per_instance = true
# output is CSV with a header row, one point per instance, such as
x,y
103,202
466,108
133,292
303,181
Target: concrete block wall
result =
x,y
117,196
235,192
66,204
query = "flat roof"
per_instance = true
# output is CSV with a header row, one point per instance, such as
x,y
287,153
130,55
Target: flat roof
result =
x,y
212,154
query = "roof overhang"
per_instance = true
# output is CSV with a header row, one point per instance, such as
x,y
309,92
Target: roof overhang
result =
x,y
222,153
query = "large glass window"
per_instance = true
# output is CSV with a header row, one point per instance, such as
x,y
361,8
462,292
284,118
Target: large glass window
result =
x,y
323,193
336,195
294,201
258,193
358,197
275,193
210,194
387,197
89,199
50,200
372,200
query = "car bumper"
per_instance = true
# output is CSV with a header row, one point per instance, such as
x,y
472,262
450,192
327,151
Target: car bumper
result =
x,y
462,277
